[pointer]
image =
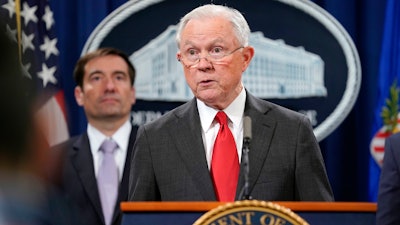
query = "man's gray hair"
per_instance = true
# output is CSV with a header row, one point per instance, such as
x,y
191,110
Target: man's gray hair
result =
x,y
239,23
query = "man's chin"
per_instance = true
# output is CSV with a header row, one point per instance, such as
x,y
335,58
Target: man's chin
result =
x,y
109,113
208,95
210,100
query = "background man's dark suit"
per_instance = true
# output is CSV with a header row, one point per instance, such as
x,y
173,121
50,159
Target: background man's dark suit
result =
x,y
169,161
389,184
79,181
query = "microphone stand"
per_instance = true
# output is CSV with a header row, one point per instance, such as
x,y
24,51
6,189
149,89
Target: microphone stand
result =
x,y
245,161
245,192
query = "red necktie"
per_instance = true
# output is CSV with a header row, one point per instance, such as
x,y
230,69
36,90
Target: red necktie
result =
x,y
225,162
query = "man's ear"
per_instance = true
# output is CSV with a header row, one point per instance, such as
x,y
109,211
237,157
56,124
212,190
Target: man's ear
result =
x,y
248,53
79,95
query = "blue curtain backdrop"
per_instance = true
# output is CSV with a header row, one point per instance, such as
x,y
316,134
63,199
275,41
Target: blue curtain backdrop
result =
x,y
346,150
389,71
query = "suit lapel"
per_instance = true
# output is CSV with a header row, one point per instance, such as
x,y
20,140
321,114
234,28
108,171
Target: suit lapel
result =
x,y
262,131
82,161
190,147
124,185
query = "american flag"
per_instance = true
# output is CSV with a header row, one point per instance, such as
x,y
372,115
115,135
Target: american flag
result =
x,y
31,24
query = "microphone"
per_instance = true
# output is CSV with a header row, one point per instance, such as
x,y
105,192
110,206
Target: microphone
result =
x,y
247,130
245,193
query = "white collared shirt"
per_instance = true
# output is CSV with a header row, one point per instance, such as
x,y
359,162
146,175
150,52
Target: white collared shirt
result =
x,y
210,127
121,137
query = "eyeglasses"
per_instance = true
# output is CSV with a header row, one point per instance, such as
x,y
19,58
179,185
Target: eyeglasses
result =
x,y
216,54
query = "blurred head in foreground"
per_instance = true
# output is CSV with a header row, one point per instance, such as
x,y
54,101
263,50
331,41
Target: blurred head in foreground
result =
x,y
16,116
26,198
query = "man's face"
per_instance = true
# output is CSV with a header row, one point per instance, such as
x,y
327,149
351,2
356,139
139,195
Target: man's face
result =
x,y
216,83
107,93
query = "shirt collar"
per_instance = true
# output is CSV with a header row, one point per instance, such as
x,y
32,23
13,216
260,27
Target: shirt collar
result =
x,y
121,137
234,112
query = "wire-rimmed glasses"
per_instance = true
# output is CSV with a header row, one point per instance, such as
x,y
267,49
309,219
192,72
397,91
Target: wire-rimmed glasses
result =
x,y
192,57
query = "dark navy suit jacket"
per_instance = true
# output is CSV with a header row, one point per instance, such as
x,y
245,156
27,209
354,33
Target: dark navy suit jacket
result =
x,y
79,182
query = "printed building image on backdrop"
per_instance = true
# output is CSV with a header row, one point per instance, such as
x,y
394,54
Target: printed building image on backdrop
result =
x,y
304,60
276,71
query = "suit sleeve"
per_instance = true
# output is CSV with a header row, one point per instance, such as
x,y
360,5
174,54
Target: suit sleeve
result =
x,y
142,183
312,182
389,186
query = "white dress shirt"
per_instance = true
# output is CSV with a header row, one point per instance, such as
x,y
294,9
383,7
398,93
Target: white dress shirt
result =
x,y
121,137
210,127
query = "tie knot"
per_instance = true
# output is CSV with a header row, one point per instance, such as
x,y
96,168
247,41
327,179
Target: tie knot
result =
x,y
108,146
221,118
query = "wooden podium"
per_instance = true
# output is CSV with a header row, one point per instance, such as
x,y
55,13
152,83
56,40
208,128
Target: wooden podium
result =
x,y
186,213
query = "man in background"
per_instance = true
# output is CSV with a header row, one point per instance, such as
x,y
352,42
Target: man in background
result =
x,y
194,152
97,162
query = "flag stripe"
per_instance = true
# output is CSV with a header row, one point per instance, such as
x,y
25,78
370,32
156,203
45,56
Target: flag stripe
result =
x,y
61,102
55,129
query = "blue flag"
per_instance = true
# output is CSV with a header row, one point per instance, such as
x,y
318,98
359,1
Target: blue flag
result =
x,y
389,72
31,24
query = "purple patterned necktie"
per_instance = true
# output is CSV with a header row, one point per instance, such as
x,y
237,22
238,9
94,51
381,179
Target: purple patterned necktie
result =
x,y
107,180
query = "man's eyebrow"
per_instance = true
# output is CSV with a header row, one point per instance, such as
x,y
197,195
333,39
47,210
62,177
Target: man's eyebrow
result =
x,y
95,72
119,71
211,43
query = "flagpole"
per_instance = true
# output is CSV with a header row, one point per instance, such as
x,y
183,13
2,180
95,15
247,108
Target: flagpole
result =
x,y
18,18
